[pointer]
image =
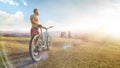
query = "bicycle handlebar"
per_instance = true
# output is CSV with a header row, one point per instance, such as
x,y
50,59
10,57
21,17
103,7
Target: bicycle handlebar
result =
x,y
50,27
47,28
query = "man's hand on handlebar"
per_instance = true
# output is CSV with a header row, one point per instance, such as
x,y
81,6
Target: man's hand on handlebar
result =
x,y
39,25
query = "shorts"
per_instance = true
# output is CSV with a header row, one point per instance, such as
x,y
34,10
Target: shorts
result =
x,y
34,31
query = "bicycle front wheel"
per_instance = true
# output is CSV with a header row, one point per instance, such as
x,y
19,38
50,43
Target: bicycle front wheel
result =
x,y
35,48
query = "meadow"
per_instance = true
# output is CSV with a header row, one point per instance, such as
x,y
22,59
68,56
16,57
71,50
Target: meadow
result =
x,y
66,53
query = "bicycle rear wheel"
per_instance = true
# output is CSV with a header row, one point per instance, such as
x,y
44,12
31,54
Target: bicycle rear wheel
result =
x,y
49,42
35,48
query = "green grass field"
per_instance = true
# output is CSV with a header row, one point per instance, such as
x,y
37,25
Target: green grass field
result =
x,y
69,53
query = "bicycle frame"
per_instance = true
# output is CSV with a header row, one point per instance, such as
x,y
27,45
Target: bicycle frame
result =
x,y
44,36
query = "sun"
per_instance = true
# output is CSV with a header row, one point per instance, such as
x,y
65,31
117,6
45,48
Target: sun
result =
x,y
113,29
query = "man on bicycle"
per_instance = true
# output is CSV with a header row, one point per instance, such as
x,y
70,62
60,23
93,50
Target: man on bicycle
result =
x,y
34,21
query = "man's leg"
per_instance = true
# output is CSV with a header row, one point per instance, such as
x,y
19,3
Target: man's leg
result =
x,y
34,31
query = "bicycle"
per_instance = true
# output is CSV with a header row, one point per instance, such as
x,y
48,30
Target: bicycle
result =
x,y
40,43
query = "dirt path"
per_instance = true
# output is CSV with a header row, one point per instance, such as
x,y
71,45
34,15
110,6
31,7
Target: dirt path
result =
x,y
23,60
20,60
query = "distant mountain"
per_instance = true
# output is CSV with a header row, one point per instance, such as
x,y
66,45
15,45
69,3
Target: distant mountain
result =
x,y
14,34
23,34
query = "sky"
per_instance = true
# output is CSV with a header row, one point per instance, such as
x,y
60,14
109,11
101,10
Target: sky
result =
x,y
65,15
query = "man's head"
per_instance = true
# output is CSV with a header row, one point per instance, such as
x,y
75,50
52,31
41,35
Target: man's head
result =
x,y
36,11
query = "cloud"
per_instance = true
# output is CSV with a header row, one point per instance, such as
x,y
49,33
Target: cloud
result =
x,y
13,22
11,2
24,2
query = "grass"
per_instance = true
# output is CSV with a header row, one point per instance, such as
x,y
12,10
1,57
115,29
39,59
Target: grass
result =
x,y
79,55
15,44
85,55
11,45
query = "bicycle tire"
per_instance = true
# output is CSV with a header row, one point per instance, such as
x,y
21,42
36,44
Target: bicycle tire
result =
x,y
30,49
